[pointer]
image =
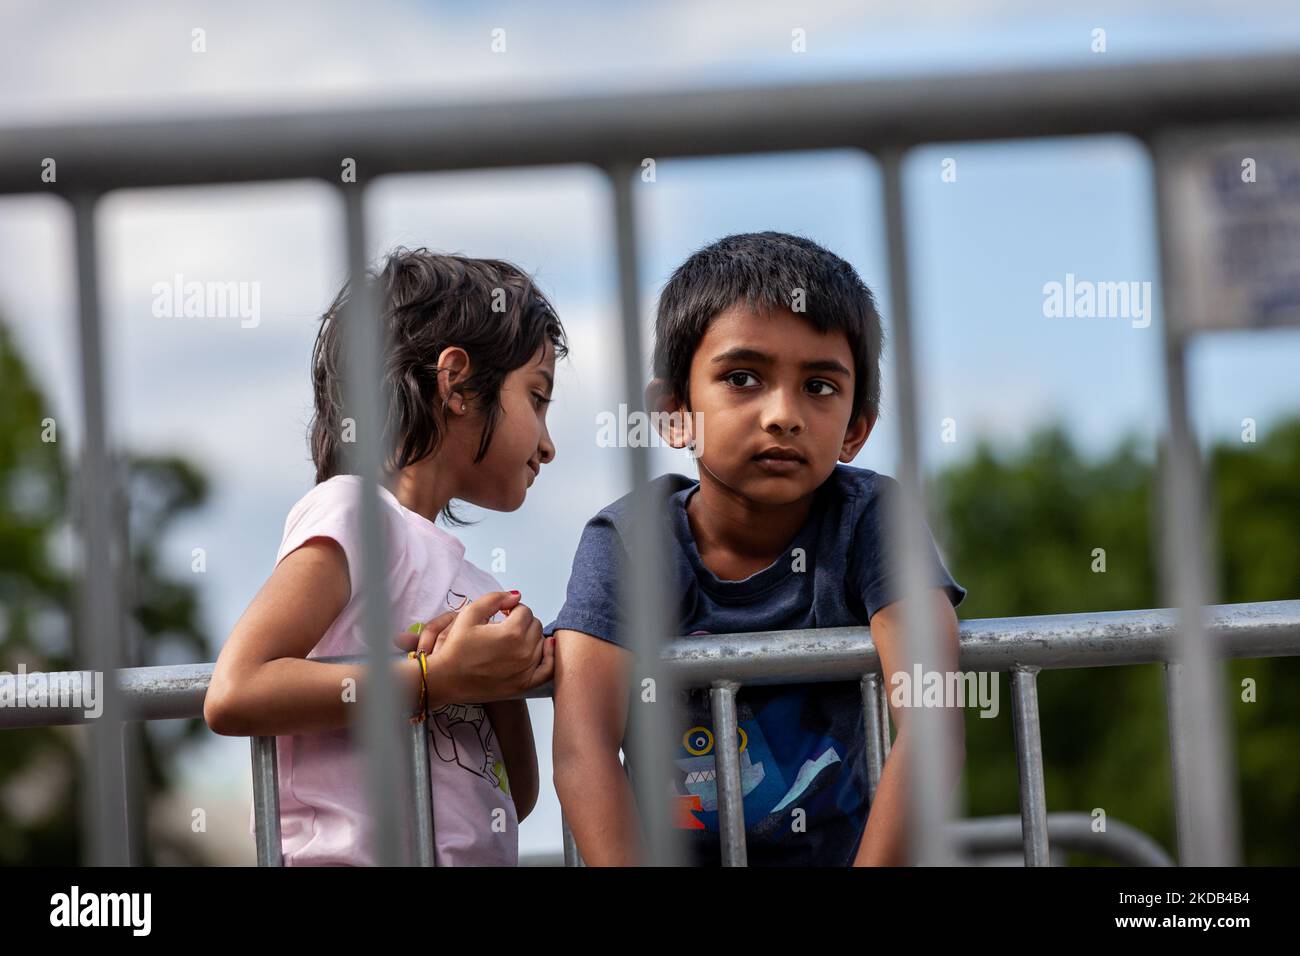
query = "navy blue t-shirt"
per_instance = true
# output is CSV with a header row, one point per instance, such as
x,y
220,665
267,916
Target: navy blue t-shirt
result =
x,y
801,745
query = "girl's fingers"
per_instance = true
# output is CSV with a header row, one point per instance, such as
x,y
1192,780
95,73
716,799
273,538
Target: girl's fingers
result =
x,y
430,642
414,639
545,669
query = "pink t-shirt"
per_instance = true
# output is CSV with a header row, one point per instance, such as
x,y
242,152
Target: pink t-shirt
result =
x,y
324,814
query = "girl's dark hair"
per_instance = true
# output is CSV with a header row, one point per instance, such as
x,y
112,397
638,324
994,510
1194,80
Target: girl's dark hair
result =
x,y
428,302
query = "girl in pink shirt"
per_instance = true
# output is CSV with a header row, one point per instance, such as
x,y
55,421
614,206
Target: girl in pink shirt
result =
x,y
472,345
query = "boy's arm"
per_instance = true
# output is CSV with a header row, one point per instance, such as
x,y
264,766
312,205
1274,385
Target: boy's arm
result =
x,y
514,733
885,841
591,691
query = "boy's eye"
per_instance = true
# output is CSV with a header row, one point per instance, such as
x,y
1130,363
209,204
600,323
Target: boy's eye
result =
x,y
830,387
732,376
541,399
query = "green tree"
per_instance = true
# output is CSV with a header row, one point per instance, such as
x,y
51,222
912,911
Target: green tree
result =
x,y
1021,529
40,774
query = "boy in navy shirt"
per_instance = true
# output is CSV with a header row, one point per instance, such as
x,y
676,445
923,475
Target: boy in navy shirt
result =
x,y
776,534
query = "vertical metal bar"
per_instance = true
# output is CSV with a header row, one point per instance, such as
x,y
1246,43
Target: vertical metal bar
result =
x,y
1029,758
134,733
650,722
381,713
1178,756
726,749
885,742
931,780
103,805
571,855
422,797
1208,774
875,750
266,801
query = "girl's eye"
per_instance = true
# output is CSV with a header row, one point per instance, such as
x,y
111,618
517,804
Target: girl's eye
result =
x,y
731,377
830,386
541,399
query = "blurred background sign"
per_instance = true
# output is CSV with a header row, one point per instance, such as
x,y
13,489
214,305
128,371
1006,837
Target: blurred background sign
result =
x,y
1234,218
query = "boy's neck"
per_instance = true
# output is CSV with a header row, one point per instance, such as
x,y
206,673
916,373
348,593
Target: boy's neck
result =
x,y
737,537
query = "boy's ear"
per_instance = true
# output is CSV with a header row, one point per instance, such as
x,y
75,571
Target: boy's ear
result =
x,y
856,436
666,413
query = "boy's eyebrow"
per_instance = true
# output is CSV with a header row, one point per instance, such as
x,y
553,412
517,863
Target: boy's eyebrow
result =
x,y
550,381
740,354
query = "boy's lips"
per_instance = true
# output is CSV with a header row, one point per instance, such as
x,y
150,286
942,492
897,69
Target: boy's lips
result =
x,y
779,466
535,470
779,460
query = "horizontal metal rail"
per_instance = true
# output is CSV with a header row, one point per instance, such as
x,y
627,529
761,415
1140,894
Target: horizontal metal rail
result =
x,y
1047,642
1022,646
1069,831
609,130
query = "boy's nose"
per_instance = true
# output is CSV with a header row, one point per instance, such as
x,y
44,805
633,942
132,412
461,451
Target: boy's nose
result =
x,y
782,415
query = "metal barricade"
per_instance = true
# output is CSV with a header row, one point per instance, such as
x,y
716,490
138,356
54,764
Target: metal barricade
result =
x,y
882,118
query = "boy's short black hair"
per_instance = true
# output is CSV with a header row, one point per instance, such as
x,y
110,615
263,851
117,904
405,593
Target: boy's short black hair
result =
x,y
764,269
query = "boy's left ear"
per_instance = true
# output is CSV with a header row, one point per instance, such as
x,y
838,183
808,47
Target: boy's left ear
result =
x,y
856,436
674,427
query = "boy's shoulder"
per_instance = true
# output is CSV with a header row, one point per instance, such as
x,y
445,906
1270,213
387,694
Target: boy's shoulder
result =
x,y
618,513
848,481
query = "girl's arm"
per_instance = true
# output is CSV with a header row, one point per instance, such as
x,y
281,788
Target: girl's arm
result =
x,y
263,684
514,733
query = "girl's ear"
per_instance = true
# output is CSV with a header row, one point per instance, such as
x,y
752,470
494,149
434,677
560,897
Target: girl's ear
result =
x,y
453,370
668,414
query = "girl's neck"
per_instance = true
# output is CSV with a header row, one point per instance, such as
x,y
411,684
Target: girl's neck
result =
x,y
420,488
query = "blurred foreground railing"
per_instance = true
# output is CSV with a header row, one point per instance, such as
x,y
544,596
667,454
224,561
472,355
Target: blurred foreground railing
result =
x,y
1164,105
1020,646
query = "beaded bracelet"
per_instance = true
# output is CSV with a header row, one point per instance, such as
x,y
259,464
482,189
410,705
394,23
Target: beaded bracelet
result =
x,y
422,714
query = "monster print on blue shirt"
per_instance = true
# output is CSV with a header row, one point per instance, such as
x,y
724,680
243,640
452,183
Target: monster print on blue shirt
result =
x,y
768,786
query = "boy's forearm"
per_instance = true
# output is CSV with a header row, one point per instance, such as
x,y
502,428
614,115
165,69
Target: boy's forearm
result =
x,y
884,842
600,808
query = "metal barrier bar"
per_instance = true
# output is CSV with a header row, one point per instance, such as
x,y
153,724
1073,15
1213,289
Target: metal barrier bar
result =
x,y
1205,772
885,741
1069,831
103,810
930,767
422,797
1047,642
873,733
605,130
1029,759
266,801
1175,703
731,801
1063,641
571,855
642,586
381,712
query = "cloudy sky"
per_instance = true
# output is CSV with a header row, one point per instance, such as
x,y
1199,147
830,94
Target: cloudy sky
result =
x,y
237,399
